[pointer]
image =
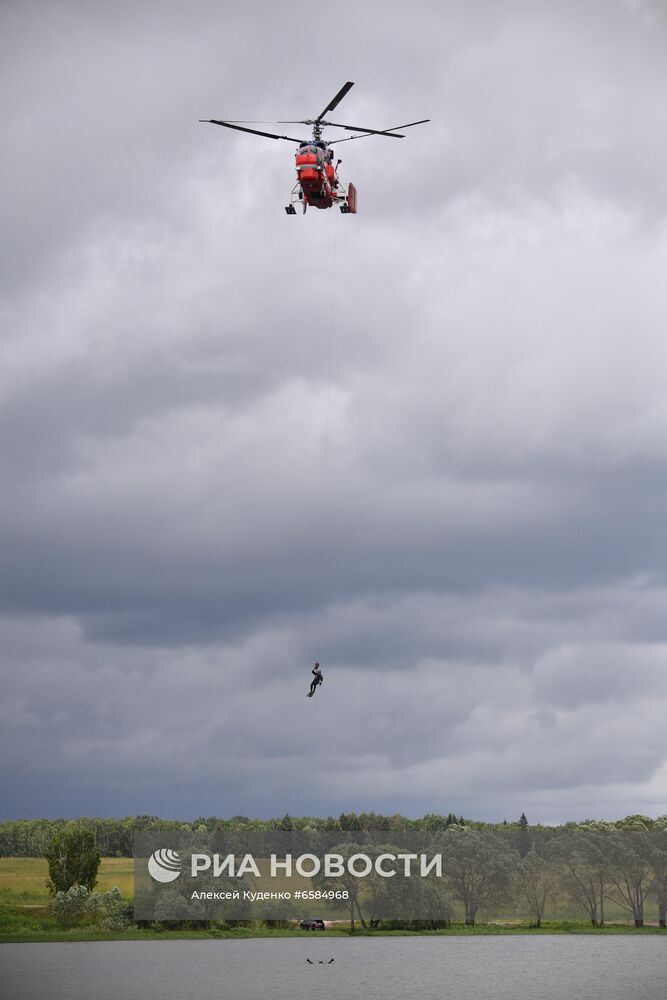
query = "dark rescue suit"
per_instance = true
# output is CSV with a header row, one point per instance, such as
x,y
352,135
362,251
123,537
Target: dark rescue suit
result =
x,y
317,679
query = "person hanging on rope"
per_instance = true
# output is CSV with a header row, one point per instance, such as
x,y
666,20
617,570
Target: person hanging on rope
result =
x,y
317,679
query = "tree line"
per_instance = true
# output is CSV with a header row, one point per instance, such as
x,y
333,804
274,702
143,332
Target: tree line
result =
x,y
592,863
29,838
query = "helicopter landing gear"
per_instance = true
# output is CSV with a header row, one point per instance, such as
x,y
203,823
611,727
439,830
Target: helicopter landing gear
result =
x,y
290,209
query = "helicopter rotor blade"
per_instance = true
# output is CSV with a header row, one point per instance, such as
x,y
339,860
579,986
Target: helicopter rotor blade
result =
x,y
393,131
366,135
254,131
336,100
371,131
394,128
367,131
255,121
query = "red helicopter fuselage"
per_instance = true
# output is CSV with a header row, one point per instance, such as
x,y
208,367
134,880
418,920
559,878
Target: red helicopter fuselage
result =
x,y
318,183
316,174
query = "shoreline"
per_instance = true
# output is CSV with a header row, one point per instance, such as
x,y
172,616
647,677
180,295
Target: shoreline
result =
x,y
549,928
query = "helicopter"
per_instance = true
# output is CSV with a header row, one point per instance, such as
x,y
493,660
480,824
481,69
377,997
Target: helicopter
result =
x,y
318,183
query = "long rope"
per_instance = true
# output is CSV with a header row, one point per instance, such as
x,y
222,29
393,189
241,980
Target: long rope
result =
x,y
325,458
332,312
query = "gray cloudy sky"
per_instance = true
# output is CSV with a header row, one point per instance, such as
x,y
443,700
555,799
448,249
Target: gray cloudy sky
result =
x,y
481,561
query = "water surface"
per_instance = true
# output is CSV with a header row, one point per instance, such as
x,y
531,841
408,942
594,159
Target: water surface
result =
x,y
397,968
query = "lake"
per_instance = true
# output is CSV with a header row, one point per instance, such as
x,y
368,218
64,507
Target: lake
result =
x,y
396,968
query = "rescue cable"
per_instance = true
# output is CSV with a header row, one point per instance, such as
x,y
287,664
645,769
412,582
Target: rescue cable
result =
x,y
327,414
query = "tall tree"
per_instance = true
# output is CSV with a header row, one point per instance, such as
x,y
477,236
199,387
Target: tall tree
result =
x,y
346,882
659,854
479,867
535,881
582,858
631,868
73,859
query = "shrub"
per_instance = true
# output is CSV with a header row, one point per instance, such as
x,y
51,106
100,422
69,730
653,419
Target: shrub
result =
x,y
109,911
70,907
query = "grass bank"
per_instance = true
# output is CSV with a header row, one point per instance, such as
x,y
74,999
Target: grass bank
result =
x,y
46,931
25,915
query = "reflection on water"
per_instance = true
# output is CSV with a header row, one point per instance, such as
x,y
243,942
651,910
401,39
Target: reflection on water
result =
x,y
396,968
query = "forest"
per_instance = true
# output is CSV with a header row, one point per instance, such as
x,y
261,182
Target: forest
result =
x,y
598,866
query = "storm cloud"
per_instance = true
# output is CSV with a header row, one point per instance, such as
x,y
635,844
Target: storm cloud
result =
x,y
425,445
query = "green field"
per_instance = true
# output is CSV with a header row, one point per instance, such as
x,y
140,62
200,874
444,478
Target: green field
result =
x,y
25,879
25,913
25,905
